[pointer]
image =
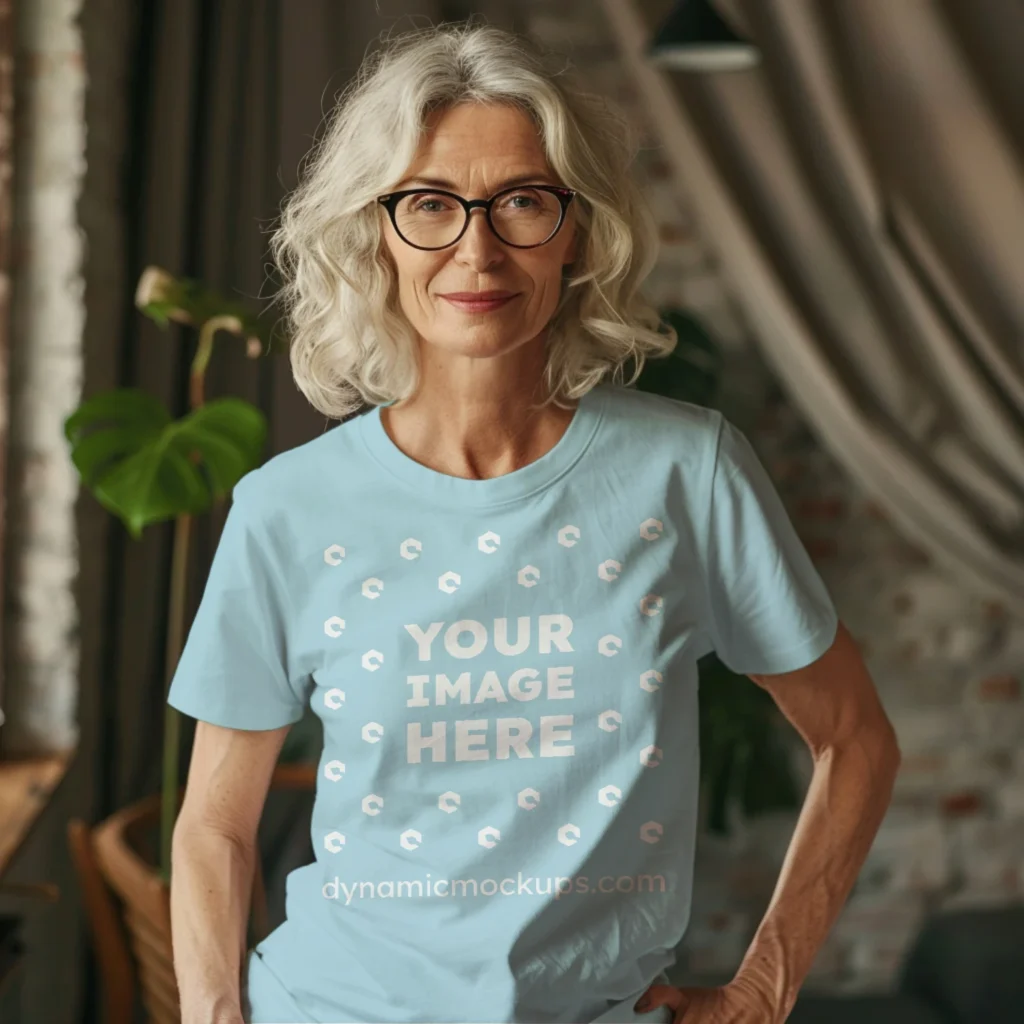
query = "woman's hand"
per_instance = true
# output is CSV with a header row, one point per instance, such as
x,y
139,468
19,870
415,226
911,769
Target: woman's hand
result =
x,y
729,1004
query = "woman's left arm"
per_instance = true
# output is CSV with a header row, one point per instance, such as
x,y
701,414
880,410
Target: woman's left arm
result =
x,y
834,706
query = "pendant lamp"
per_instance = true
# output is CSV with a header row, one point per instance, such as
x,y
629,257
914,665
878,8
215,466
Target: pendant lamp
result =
x,y
695,38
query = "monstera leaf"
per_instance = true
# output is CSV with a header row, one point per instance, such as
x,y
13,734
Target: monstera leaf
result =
x,y
146,467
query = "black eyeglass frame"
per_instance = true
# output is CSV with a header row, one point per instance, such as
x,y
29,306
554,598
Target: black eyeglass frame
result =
x,y
391,200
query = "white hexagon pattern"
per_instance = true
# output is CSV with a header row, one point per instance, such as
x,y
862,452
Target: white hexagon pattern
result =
x,y
410,548
609,645
650,757
568,536
488,837
449,802
488,542
528,798
651,831
529,575
651,529
334,554
569,835
650,680
449,582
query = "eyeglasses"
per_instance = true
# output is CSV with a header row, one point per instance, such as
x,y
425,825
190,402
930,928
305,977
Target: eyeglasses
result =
x,y
523,217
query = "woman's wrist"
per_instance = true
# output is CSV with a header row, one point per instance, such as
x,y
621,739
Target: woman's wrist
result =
x,y
223,1008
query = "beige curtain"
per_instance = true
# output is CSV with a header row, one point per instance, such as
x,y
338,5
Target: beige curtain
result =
x,y
863,187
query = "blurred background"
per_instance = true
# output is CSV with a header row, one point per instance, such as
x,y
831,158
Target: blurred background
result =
x,y
840,191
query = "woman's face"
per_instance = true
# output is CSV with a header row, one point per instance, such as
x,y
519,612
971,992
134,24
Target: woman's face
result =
x,y
477,149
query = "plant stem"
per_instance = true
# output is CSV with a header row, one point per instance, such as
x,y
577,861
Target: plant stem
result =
x,y
178,602
204,350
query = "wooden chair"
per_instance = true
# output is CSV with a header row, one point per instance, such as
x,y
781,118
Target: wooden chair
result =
x,y
127,903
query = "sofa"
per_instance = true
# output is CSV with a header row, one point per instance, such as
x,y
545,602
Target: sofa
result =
x,y
964,967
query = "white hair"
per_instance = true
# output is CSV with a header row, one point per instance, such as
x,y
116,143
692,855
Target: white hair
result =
x,y
350,341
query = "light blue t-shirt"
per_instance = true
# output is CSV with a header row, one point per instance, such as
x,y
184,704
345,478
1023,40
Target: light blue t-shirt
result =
x,y
506,673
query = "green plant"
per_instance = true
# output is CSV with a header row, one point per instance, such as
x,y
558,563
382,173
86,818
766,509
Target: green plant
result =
x,y
744,762
146,467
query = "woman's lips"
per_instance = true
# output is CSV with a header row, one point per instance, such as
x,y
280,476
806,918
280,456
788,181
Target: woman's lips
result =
x,y
478,307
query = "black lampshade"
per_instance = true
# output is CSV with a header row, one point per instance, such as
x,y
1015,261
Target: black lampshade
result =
x,y
695,38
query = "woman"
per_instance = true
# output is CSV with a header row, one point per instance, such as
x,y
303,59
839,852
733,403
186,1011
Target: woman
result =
x,y
492,587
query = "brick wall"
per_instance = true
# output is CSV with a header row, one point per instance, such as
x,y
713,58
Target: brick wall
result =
x,y
48,313
946,663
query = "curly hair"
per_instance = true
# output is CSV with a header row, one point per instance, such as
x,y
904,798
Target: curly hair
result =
x,y
350,341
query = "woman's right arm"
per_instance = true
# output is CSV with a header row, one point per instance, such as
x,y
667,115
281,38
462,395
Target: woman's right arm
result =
x,y
212,863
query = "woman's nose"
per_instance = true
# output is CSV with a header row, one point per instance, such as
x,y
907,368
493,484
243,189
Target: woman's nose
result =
x,y
478,236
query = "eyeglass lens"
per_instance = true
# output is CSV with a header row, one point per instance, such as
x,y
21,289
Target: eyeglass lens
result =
x,y
520,217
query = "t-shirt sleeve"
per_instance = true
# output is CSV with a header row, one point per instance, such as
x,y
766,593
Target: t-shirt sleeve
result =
x,y
768,610
233,670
